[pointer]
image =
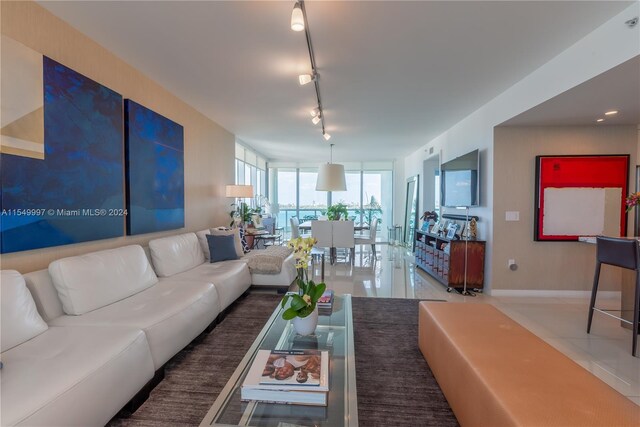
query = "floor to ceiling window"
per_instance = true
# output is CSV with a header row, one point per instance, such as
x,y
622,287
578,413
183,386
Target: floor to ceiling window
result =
x,y
369,193
251,169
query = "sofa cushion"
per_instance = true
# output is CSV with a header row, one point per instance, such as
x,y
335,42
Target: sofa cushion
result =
x,y
230,278
175,254
19,318
73,376
44,294
87,282
204,245
222,248
171,313
235,232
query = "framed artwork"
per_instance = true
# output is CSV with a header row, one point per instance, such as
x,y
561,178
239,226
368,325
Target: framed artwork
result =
x,y
154,171
580,196
68,187
451,230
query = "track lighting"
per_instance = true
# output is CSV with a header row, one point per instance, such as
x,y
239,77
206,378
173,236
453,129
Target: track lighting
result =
x,y
298,23
297,19
306,78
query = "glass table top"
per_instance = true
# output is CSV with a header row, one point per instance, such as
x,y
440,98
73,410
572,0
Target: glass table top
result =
x,y
335,334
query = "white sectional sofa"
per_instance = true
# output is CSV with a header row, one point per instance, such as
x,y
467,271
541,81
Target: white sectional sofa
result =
x,y
81,339
64,376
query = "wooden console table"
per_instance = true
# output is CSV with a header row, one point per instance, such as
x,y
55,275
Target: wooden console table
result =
x,y
443,259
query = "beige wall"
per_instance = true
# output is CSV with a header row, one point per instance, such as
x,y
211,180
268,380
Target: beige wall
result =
x,y
208,148
545,265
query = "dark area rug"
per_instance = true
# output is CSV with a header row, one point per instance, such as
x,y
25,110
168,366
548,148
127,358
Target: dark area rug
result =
x,y
395,385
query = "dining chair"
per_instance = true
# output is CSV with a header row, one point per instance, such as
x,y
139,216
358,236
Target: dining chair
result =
x,y
321,231
370,238
622,253
343,237
295,227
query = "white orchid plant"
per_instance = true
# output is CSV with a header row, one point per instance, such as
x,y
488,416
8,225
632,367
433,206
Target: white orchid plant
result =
x,y
304,302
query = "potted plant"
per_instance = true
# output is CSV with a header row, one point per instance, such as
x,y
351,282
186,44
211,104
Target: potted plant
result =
x,y
241,214
302,309
337,212
632,200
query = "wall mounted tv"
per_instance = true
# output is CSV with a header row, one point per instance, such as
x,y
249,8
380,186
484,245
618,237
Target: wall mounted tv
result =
x,y
459,186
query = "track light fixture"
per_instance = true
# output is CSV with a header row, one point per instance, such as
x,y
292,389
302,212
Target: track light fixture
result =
x,y
306,78
318,112
297,18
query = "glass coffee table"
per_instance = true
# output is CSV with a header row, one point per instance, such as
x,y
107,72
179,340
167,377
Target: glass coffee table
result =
x,y
335,334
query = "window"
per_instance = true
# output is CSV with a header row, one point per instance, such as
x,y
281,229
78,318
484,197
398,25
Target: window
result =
x,y
251,169
369,193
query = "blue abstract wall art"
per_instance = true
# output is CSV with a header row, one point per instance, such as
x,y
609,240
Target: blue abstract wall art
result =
x,y
154,153
76,193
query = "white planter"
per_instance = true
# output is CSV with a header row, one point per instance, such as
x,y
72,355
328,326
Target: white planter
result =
x,y
306,325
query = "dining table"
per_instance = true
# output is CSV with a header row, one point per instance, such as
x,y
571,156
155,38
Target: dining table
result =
x,y
307,226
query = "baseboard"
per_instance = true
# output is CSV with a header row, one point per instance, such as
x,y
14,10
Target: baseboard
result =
x,y
543,293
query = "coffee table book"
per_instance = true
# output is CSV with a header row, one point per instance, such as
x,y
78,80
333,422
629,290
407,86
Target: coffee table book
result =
x,y
295,394
326,300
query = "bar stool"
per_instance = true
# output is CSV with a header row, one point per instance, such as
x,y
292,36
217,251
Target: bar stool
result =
x,y
622,253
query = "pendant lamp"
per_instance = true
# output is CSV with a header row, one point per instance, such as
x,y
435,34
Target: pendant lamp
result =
x,y
331,176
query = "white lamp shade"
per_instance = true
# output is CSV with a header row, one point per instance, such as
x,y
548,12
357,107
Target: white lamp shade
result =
x,y
242,191
297,20
331,178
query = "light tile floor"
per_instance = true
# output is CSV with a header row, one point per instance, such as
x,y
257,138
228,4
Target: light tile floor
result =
x,y
561,322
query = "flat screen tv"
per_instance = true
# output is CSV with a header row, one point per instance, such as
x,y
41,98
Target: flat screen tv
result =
x,y
459,185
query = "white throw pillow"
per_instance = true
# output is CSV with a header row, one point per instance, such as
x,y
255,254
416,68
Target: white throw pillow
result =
x,y
176,254
19,318
236,239
88,282
202,239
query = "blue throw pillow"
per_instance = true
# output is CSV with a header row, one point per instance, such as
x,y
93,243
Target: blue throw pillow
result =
x,y
222,248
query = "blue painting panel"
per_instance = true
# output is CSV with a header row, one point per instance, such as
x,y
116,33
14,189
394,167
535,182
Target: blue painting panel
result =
x,y
76,193
154,152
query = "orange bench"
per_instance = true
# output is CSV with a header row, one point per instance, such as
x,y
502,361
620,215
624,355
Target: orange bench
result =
x,y
496,373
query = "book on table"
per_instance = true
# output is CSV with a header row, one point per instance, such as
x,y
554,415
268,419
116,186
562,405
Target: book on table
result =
x,y
326,300
288,376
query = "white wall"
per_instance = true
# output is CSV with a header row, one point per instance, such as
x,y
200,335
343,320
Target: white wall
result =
x,y
606,47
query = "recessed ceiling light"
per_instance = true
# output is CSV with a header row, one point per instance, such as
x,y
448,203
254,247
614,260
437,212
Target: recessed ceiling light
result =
x,y
600,120
611,113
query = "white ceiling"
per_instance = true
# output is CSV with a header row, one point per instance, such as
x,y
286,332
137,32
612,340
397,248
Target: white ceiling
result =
x,y
616,89
393,75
